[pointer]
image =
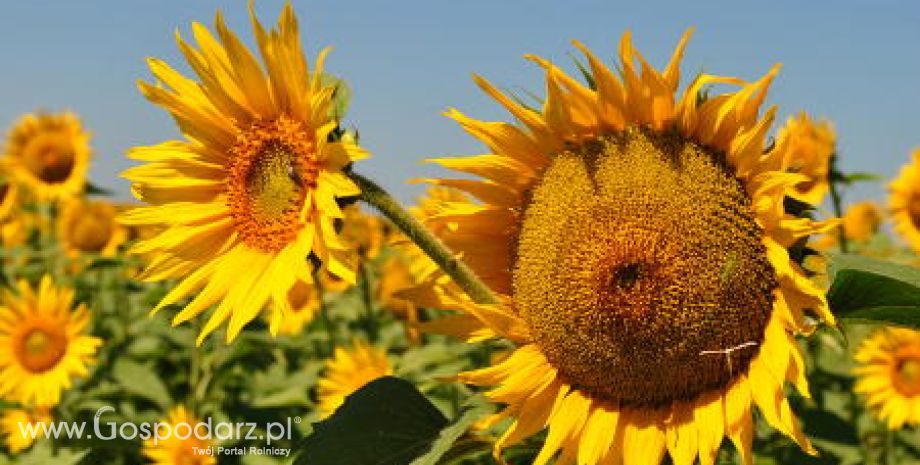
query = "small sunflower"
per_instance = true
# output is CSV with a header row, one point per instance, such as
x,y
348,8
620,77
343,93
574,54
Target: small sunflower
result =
x,y
348,370
9,198
396,274
365,234
179,448
89,227
17,424
637,242
889,375
808,146
49,154
861,222
305,302
252,192
904,202
43,343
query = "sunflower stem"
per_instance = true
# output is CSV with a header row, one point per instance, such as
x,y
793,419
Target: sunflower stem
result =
x,y
836,177
372,330
380,199
324,314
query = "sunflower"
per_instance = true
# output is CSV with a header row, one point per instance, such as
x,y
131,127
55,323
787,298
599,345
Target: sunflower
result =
x,y
49,154
87,226
181,446
347,371
43,343
16,424
305,303
904,202
364,234
9,198
889,375
252,192
637,243
808,146
402,284
861,222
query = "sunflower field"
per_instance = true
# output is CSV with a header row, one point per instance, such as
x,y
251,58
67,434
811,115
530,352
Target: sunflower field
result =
x,y
635,271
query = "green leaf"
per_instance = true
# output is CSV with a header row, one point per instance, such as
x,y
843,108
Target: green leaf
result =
x,y
92,189
828,426
387,422
852,178
42,454
105,262
341,98
476,408
141,381
872,290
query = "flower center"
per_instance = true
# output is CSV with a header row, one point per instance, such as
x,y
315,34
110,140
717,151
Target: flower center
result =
x,y
907,376
40,349
92,230
641,270
274,169
52,160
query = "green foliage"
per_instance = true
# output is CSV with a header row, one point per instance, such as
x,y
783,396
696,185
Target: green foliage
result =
x,y
388,422
871,290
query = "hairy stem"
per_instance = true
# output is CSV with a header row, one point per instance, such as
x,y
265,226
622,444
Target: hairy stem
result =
x,y
375,196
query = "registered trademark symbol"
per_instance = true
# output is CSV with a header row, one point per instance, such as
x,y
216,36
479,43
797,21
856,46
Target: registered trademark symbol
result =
x,y
296,419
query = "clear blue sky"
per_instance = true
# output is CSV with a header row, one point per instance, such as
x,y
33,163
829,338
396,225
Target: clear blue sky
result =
x,y
857,63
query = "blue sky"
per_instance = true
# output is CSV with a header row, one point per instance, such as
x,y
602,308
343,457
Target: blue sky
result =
x,y
856,63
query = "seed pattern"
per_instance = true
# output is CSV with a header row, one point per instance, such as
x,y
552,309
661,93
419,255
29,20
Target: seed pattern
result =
x,y
639,259
274,170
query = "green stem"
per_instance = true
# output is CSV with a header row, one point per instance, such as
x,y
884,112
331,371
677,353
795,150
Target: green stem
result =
x,y
324,313
889,447
375,196
835,178
371,323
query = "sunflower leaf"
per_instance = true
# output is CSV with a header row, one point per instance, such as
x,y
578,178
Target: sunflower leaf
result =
x,y
141,381
387,422
872,290
444,446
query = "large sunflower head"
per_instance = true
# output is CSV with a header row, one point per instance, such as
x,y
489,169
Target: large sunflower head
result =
x,y
904,202
49,153
637,240
17,423
181,445
253,190
889,375
43,343
89,227
348,370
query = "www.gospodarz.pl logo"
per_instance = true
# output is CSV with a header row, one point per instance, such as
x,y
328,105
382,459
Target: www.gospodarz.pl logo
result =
x,y
206,430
